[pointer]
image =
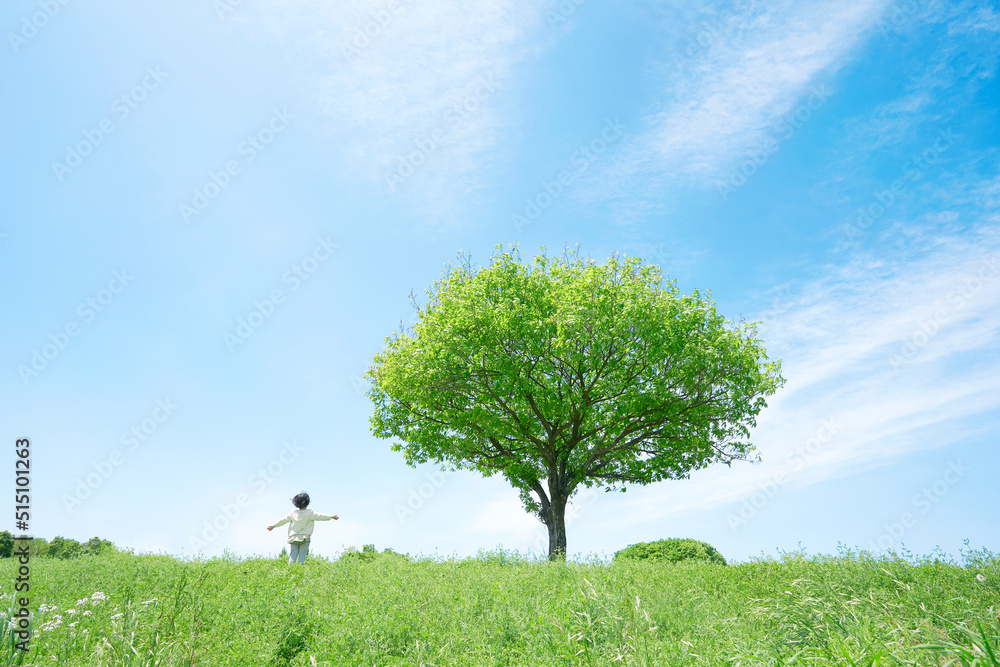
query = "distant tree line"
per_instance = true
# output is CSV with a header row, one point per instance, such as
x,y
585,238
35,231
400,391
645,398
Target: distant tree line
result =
x,y
58,547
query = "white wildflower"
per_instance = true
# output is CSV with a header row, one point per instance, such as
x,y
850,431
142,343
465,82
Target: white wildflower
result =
x,y
98,596
71,612
149,601
53,624
981,578
87,613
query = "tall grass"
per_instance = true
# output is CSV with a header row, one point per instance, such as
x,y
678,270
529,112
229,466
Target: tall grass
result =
x,y
504,609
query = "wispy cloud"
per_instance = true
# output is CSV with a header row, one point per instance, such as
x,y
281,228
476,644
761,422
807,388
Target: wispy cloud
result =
x,y
414,91
732,96
901,353
944,85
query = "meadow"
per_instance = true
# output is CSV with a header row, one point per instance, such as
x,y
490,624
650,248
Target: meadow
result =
x,y
503,609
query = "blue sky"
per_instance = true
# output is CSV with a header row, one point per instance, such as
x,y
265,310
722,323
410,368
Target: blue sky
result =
x,y
214,213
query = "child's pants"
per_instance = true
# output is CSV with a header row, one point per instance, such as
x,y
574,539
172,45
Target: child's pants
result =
x,y
297,552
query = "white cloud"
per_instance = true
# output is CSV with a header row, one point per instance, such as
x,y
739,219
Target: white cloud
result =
x,y
731,97
410,86
901,355
944,86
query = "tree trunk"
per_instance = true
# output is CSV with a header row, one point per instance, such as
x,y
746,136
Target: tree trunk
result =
x,y
555,521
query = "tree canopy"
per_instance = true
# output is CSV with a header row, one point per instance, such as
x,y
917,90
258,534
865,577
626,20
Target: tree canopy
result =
x,y
59,547
572,373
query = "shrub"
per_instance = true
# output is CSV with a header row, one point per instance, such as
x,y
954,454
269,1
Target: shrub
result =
x,y
369,553
672,550
500,557
96,546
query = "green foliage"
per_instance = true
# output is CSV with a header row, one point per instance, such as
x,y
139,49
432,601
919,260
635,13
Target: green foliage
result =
x,y
389,553
972,646
10,652
501,556
296,631
39,547
369,553
95,546
55,547
569,372
673,550
500,608
59,547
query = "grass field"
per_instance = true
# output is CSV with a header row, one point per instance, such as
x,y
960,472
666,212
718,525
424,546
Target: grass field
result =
x,y
501,609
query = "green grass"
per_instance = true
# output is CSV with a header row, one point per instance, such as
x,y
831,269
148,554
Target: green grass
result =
x,y
501,609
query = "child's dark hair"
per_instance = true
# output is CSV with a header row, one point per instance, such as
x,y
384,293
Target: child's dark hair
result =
x,y
301,500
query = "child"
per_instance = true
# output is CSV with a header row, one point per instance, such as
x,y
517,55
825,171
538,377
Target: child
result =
x,y
300,527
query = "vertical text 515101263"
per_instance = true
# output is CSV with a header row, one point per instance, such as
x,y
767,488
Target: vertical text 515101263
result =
x,y
22,485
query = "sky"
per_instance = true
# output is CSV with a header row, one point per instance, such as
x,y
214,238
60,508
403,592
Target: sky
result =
x,y
214,213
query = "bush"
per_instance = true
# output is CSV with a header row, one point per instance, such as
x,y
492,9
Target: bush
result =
x,y
62,547
500,557
672,550
369,553
96,546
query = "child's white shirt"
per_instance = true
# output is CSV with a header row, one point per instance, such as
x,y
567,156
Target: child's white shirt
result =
x,y
301,523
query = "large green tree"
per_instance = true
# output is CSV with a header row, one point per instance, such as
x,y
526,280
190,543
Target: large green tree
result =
x,y
565,373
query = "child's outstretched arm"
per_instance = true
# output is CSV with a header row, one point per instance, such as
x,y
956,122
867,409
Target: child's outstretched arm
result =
x,y
280,522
